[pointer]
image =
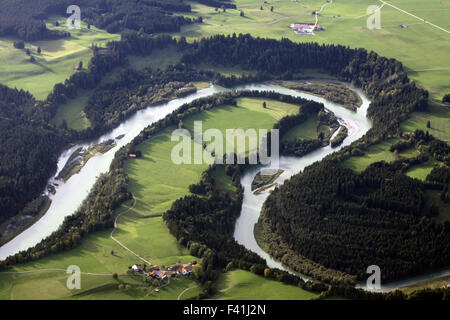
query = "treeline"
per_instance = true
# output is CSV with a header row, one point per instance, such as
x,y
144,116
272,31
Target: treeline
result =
x,y
393,94
148,16
29,149
26,19
347,221
94,214
218,3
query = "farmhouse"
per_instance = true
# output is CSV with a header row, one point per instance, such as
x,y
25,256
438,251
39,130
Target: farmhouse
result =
x,y
138,267
305,28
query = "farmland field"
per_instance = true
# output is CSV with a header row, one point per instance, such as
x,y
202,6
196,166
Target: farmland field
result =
x,y
345,23
156,182
55,62
244,285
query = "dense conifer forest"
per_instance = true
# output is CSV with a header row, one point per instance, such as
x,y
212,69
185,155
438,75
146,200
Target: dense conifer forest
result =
x,y
373,215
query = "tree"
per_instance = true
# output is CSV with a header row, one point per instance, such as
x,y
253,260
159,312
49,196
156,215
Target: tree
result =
x,y
428,124
264,105
321,136
39,50
19,44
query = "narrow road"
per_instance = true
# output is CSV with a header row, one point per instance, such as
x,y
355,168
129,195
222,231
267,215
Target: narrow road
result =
x,y
414,16
185,290
320,10
115,228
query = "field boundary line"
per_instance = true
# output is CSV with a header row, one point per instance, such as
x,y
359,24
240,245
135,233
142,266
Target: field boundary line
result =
x,y
414,16
115,228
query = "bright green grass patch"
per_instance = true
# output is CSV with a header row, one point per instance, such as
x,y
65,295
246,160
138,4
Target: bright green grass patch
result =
x,y
421,171
422,48
156,183
55,62
306,130
244,285
73,112
439,117
377,152
160,58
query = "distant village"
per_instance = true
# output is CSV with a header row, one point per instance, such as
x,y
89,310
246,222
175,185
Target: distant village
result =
x,y
156,272
305,28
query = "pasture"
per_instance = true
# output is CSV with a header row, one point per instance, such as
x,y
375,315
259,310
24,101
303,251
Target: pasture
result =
x,y
54,64
422,48
244,285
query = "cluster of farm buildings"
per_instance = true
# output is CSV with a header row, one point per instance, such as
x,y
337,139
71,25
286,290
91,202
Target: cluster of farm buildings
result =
x,y
156,272
305,28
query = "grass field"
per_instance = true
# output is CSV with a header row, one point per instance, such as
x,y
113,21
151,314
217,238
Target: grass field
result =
x,y
73,112
307,130
422,170
156,182
439,117
244,285
55,62
377,152
345,23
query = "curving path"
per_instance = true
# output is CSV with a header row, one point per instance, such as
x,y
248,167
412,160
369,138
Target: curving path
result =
x,y
115,228
185,290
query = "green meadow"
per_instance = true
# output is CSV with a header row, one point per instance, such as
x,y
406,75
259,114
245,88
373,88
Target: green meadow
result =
x,y
156,183
377,152
244,285
307,130
439,117
422,49
55,62
73,112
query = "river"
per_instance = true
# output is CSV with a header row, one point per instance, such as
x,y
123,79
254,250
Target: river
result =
x,y
69,195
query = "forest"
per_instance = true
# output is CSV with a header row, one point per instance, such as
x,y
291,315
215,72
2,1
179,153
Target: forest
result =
x,y
26,19
380,197
347,221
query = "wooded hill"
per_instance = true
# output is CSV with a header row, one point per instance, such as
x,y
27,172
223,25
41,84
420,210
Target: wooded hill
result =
x,y
393,97
26,19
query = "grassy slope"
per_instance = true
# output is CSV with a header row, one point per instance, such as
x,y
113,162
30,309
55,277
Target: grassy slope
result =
x,y
244,285
54,64
307,130
73,112
156,183
439,117
345,23
378,152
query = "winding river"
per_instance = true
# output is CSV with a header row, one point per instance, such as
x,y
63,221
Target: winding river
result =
x,y
69,195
